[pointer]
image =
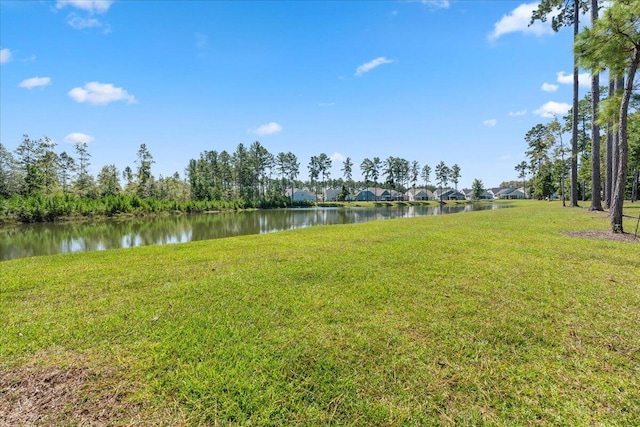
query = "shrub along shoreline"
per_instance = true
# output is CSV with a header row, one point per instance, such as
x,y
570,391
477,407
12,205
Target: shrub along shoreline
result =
x,y
38,208
489,317
62,208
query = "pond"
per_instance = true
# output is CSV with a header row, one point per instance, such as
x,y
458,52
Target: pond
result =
x,y
54,238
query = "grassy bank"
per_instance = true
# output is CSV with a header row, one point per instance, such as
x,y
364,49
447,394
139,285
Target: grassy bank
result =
x,y
491,317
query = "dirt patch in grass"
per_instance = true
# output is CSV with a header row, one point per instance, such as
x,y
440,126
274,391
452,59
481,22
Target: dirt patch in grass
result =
x,y
38,396
604,235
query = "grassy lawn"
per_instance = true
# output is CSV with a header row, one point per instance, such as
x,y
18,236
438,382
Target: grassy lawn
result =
x,y
491,317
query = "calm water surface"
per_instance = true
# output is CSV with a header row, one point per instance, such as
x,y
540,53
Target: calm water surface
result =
x,y
47,239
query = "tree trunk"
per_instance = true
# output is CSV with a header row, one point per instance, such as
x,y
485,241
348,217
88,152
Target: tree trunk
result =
x,y
634,188
574,127
564,165
596,177
608,188
623,149
615,144
596,184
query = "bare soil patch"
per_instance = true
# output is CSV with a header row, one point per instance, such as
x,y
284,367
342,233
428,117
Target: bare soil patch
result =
x,y
604,235
52,396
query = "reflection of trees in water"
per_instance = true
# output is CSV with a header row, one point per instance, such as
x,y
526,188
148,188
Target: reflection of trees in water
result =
x,y
44,239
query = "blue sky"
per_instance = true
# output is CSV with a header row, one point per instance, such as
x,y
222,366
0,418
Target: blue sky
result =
x,y
453,81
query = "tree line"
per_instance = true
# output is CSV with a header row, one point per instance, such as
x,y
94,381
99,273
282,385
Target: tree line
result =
x,y
549,157
255,174
38,184
610,43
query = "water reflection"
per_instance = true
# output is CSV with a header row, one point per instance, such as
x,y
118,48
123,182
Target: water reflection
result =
x,y
46,239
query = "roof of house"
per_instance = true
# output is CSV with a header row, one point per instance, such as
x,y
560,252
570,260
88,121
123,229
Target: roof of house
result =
x,y
374,190
301,191
505,191
445,191
415,191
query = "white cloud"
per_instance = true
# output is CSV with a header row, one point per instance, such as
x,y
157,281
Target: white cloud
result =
x,y
365,68
338,157
437,3
91,6
517,113
5,55
79,23
490,123
268,129
584,79
552,109
548,87
517,21
78,138
35,82
97,93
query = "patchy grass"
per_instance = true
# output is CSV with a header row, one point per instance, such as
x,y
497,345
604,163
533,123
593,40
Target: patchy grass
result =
x,y
489,317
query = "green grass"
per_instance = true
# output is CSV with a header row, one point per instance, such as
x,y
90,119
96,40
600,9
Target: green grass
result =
x,y
483,318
